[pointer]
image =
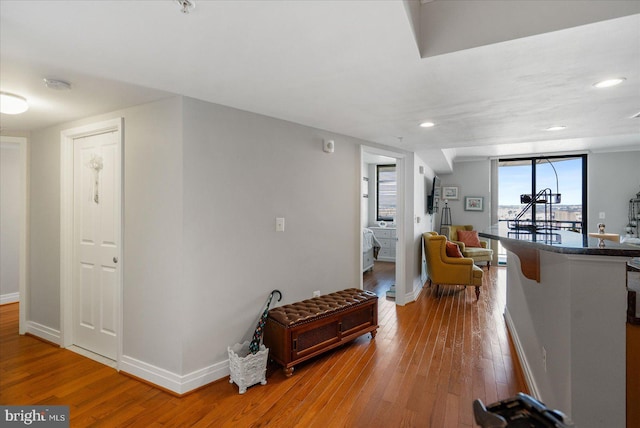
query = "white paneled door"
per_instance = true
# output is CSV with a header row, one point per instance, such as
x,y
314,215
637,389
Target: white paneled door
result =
x,y
97,223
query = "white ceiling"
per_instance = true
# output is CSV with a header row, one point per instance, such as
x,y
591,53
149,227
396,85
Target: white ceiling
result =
x,y
350,67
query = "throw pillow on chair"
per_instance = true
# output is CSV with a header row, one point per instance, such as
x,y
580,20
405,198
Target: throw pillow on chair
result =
x,y
469,238
453,250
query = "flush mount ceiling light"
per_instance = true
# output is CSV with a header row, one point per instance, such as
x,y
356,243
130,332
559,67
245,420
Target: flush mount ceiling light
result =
x,y
12,104
556,128
186,5
609,82
57,84
427,125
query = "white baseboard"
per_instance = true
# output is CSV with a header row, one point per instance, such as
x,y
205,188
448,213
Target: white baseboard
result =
x,y
526,368
413,295
42,331
9,298
180,384
172,381
205,376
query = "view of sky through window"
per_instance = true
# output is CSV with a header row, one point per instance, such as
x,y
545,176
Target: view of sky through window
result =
x,y
516,180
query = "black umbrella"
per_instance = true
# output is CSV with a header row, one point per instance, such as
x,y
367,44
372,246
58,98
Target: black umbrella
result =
x,y
254,346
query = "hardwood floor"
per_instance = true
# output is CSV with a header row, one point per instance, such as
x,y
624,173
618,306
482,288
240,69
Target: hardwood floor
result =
x,y
428,362
380,278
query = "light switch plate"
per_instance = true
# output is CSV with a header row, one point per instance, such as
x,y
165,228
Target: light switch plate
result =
x,y
279,224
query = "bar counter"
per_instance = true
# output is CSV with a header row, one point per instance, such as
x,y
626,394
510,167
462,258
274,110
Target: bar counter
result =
x,y
560,241
566,312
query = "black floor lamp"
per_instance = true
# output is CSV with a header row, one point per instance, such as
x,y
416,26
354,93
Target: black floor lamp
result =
x,y
445,218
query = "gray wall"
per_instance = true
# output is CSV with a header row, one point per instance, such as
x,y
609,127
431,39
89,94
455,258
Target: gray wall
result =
x,y
152,229
241,171
44,228
422,221
614,178
9,218
153,237
202,187
472,179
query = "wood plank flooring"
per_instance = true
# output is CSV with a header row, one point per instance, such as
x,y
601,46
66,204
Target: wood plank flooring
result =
x,y
428,362
380,278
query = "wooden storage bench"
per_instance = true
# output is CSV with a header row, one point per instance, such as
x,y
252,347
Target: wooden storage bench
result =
x,y
299,331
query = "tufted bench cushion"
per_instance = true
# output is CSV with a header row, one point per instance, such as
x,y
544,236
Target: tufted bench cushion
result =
x,y
299,331
318,307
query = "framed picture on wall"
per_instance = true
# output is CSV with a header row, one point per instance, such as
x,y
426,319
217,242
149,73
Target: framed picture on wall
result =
x,y
474,203
450,193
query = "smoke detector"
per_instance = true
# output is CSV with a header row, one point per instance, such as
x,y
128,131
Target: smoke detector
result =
x,y
56,84
186,5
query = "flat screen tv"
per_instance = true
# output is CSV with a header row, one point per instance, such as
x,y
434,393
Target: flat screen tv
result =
x,y
431,198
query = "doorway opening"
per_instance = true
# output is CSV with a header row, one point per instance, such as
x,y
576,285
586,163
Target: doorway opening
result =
x,y
382,223
13,285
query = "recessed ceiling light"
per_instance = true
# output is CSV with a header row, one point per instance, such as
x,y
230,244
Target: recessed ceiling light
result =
x,y
427,124
609,82
12,104
556,128
57,84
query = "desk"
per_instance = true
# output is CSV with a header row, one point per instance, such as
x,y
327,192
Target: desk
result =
x,y
566,311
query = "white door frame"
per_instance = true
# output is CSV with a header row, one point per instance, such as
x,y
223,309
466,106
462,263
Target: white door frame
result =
x,y
67,222
401,296
23,244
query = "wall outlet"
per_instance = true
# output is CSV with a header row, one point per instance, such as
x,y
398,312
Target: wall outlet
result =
x,y
601,215
316,293
544,358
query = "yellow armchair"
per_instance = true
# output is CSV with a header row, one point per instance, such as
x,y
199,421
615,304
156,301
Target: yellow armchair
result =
x,y
482,254
445,270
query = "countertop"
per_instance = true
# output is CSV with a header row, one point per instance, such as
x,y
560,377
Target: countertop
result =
x,y
560,241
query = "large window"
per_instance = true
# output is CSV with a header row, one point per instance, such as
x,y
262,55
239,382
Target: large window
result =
x,y
561,179
386,191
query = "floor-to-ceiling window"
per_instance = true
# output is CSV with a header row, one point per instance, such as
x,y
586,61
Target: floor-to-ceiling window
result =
x,y
543,192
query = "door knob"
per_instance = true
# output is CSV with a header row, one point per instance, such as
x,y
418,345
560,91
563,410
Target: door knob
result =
x,y
115,260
